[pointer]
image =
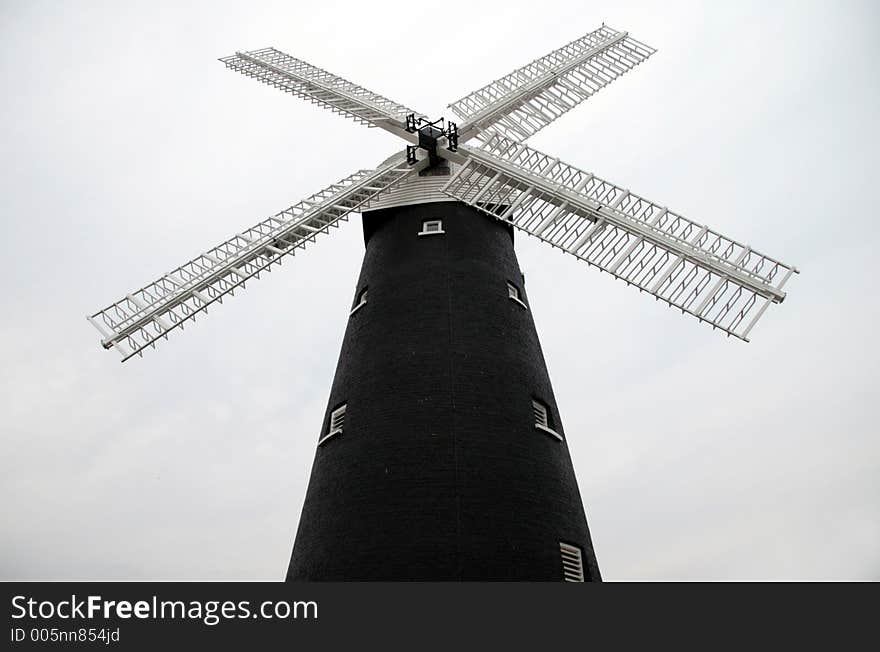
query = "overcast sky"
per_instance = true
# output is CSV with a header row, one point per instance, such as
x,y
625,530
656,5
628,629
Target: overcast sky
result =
x,y
127,149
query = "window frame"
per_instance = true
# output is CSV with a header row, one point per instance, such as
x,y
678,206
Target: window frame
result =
x,y
544,425
438,231
335,414
572,556
515,294
361,300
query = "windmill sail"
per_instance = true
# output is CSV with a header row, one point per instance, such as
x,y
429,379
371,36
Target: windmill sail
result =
x,y
720,281
690,266
139,319
316,85
525,101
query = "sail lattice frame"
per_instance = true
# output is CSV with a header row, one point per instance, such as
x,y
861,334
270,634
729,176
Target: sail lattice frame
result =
x,y
144,316
528,99
318,86
708,275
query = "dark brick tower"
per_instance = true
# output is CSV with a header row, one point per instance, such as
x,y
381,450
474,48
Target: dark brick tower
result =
x,y
436,469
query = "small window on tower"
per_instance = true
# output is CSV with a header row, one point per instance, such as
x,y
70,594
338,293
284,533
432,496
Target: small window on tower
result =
x,y
432,227
513,294
337,421
572,562
542,419
360,301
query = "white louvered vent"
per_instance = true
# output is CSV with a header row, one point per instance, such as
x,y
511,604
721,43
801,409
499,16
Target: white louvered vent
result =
x,y
337,420
514,295
540,411
542,419
572,563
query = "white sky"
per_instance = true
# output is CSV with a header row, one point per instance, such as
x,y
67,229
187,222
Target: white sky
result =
x,y
128,149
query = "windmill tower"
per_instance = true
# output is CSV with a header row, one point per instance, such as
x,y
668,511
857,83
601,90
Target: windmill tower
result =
x,y
442,454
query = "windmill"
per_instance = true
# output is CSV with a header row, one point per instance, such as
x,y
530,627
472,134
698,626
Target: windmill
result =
x,y
442,454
